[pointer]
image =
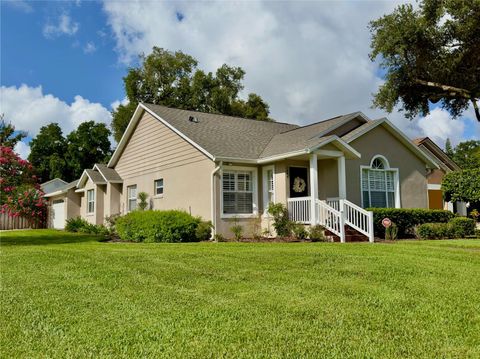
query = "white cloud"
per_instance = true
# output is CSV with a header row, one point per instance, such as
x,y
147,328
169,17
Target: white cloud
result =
x,y
28,108
22,149
309,60
20,5
64,26
114,105
89,48
439,126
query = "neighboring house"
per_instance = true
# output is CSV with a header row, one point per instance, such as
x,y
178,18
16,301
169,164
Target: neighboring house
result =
x,y
435,176
52,185
64,203
226,168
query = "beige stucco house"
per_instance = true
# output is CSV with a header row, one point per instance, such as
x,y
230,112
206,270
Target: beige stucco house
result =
x,y
228,169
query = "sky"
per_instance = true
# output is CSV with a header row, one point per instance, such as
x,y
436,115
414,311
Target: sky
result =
x,y
64,61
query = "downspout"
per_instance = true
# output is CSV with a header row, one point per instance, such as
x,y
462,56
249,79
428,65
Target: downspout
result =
x,y
214,199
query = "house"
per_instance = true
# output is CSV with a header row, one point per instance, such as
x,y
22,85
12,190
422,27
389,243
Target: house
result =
x,y
226,169
434,177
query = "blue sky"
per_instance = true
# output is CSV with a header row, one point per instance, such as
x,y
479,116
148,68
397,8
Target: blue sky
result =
x,y
59,62
64,61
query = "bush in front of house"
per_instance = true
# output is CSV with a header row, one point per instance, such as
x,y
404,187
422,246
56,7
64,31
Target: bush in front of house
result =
x,y
158,226
458,227
282,224
299,231
204,231
317,233
407,219
80,225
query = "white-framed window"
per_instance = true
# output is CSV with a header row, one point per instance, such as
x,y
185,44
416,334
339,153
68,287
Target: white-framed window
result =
x,y
158,187
132,198
379,184
90,201
268,186
239,192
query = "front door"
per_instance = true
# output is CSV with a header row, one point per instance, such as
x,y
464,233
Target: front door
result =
x,y
298,182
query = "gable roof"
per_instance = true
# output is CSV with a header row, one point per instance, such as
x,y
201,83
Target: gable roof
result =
x,y
93,175
222,137
108,174
63,189
433,150
399,135
52,185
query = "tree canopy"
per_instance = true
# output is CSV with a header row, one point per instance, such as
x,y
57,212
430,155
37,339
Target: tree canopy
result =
x,y
173,79
462,185
9,137
466,154
53,155
429,55
47,153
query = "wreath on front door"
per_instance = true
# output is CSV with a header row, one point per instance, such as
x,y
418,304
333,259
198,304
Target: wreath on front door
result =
x,y
299,185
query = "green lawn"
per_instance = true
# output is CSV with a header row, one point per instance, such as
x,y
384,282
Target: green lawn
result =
x,y
66,295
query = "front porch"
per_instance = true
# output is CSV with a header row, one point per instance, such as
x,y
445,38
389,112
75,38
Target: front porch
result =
x,y
334,213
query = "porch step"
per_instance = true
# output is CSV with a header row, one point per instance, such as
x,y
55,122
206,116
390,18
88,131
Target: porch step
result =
x,y
351,235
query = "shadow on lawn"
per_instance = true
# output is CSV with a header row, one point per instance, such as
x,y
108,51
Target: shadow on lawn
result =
x,y
44,237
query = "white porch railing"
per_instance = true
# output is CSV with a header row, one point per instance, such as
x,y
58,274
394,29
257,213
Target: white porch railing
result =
x,y
333,214
299,209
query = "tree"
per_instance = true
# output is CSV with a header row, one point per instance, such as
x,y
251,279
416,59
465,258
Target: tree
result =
x,y
47,153
462,185
8,136
430,55
20,194
87,145
173,79
467,154
449,148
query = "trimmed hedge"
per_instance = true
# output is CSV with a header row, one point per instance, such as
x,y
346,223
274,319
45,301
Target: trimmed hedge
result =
x,y
458,227
407,219
159,226
80,225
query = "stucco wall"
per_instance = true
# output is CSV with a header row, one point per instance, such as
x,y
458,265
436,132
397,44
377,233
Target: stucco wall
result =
x,y
435,176
412,171
153,152
98,216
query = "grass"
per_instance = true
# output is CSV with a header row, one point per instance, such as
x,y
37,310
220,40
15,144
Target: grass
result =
x,y
66,295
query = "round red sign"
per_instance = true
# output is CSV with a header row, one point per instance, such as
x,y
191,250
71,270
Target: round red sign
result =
x,y
386,222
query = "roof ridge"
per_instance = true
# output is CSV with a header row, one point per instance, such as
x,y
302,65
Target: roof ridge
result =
x,y
220,114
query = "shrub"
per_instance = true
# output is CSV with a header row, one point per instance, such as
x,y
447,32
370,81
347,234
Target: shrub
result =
x,y
391,232
142,201
282,225
435,231
475,214
158,226
407,219
463,226
237,231
317,233
204,231
219,237
299,231
75,224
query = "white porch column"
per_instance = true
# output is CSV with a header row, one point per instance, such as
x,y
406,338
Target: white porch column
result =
x,y
313,188
342,180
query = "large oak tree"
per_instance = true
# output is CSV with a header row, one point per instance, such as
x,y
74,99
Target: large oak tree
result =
x,y
173,79
429,55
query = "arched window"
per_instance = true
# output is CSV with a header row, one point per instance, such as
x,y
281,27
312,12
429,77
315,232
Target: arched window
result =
x,y
379,183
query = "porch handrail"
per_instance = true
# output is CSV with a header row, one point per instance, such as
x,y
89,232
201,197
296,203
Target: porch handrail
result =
x,y
359,219
331,219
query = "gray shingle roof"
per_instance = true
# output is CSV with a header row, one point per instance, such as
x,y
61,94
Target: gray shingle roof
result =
x,y
223,136
302,137
358,130
95,176
53,185
109,173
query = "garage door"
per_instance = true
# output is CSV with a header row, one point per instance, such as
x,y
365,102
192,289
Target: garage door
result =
x,y
58,214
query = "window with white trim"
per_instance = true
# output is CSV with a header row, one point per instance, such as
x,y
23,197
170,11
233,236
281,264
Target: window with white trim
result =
x,y
90,201
158,187
132,198
268,187
237,189
378,184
